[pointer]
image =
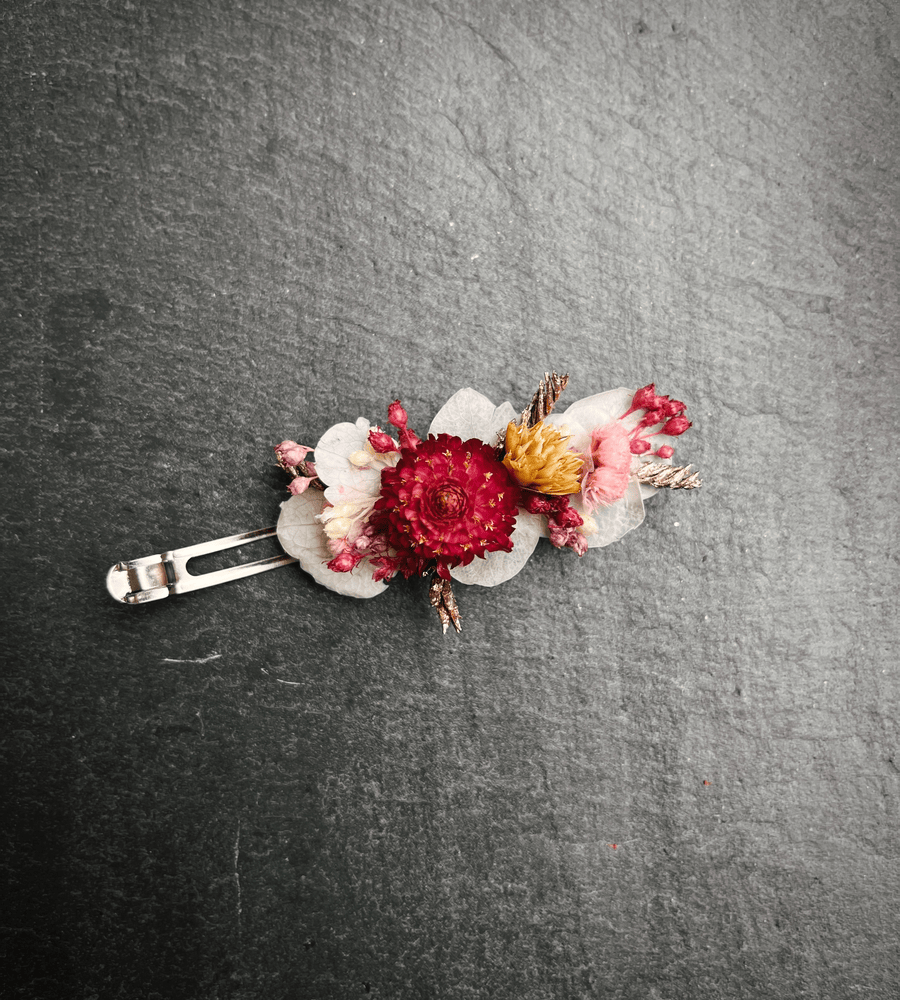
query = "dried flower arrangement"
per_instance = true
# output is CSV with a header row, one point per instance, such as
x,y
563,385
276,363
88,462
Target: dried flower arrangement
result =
x,y
471,500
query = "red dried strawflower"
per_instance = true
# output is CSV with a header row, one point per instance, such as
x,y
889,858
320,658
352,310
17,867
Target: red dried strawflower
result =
x,y
445,502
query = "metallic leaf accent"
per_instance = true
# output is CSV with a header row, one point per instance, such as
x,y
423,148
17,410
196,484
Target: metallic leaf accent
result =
x,y
676,477
443,600
544,399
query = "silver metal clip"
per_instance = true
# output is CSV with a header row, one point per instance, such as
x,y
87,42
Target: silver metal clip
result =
x,y
155,577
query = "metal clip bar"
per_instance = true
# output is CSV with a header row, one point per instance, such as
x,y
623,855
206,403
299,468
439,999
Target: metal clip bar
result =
x,y
154,577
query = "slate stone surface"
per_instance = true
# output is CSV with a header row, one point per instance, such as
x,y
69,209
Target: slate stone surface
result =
x,y
668,769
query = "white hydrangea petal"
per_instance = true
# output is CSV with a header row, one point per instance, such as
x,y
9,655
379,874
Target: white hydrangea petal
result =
x,y
469,414
616,520
498,567
332,457
302,536
579,435
602,408
348,494
502,416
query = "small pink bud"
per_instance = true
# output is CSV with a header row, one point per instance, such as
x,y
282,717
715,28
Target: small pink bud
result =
x,y
385,568
673,407
409,441
382,442
644,398
559,536
534,503
397,415
578,543
568,517
568,538
651,418
676,426
299,485
666,451
339,545
343,563
291,453
639,446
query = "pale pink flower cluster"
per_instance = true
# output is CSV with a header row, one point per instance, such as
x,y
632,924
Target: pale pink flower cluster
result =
x,y
293,455
607,466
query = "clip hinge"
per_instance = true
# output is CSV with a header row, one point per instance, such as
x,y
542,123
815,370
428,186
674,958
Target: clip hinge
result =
x,y
152,578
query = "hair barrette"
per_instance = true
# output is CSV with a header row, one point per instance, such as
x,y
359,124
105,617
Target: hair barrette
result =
x,y
469,502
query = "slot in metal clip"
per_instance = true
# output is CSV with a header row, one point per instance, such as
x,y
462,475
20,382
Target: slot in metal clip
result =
x,y
154,577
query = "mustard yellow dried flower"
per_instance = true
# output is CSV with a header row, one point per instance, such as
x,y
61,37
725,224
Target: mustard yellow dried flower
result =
x,y
539,459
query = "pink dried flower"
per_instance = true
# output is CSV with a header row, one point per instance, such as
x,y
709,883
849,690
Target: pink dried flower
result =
x,y
675,426
673,407
607,468
536,503
568,538
339,546
643,399
563,522
385,568
609,447
381,442
344,562
568,517
602,487
397,415
660,410
640,446
650,419
300,484
291,453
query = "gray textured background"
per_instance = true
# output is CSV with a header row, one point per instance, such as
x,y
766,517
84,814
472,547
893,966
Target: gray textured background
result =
x,y
232,223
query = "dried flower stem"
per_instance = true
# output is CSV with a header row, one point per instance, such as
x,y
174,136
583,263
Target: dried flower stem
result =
x,y
544,399
294,471
676,477
442,599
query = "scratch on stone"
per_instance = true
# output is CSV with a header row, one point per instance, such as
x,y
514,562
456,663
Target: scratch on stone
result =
x,y
482,158
292,683
202,659
498,52
237,879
